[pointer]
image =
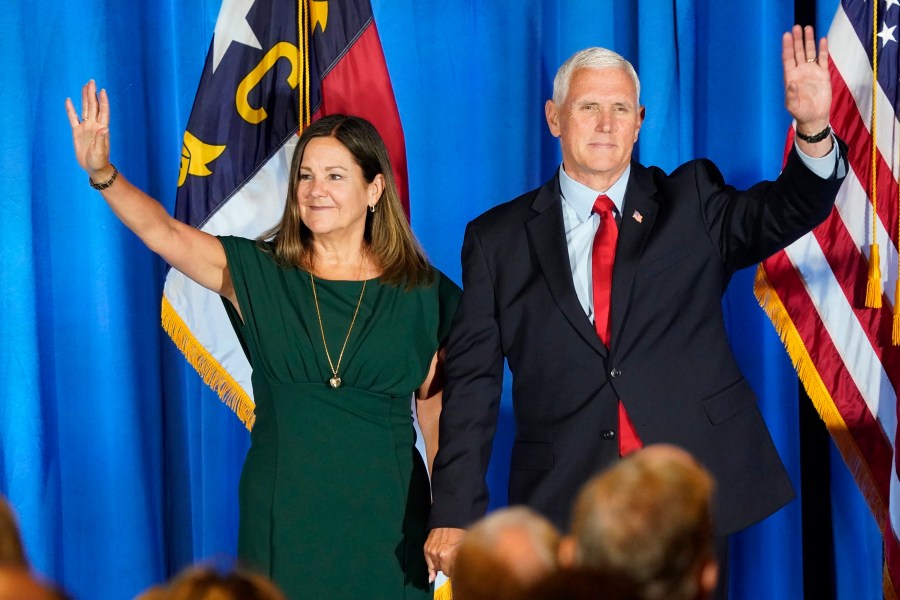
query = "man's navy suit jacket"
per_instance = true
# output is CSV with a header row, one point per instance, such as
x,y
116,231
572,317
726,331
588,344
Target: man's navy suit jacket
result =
x,y
681,238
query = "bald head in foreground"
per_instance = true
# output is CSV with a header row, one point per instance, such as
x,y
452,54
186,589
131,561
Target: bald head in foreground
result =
x,y
503,554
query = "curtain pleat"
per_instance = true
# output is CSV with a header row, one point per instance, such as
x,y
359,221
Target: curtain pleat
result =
x,y
122,467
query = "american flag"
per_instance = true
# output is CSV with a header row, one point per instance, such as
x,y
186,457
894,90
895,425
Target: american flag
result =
x,y
272,66
814,291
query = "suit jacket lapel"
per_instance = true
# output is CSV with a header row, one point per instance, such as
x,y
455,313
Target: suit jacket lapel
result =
x,y
638,216
548,238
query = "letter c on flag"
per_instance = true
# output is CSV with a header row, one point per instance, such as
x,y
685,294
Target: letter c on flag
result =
x,y
241,98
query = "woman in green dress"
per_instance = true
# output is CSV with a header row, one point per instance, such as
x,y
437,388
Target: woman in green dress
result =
x,y
343,320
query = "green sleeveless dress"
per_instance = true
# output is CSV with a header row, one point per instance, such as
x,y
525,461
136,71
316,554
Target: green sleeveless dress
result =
x,y
333,494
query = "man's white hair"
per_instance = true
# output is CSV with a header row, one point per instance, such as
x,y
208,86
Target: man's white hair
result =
x,y
592,58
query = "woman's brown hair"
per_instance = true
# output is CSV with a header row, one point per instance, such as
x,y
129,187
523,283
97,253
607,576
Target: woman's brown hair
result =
x,y
389,238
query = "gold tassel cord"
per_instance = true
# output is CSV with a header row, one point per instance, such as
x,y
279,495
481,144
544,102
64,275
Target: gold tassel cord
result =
x,y
895,330
302,48
873,282
303,33
307,117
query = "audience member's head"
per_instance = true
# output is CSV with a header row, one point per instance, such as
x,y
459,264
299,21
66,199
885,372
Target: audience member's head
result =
x,y
17,583
12,552
503,554
207,583
648,518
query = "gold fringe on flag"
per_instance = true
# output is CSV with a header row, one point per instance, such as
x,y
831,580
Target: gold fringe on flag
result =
x,y
445,592
873,282
828,412
210,370
812,382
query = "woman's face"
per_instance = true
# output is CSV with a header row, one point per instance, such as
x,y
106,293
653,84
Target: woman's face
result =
x,y
332,192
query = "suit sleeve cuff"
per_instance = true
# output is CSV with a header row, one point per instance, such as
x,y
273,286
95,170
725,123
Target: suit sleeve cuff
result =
x,y
830,166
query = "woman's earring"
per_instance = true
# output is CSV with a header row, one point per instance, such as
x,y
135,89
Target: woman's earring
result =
x,y
371,208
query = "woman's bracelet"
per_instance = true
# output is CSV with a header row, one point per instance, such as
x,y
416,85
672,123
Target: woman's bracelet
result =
x,y
105,184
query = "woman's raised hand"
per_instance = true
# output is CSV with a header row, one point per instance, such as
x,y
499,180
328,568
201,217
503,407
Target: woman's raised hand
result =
x,y
90,134
195,253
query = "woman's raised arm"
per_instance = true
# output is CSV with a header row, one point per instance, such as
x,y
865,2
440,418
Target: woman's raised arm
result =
x,y
198,255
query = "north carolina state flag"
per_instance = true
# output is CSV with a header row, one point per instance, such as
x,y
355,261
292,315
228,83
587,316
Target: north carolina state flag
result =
x,y
272,66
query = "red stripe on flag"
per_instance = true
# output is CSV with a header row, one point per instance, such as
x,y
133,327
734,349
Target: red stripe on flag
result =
x,y
872,467
849,125
849,269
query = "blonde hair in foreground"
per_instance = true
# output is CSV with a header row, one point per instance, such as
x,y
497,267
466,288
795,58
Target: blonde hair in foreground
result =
x,y
648,517
206,583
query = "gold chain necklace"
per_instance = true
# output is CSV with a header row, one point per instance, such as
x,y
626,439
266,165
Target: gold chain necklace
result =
x,y
335,381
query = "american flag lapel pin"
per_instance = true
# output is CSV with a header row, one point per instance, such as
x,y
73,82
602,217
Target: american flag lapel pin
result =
x,y
637,216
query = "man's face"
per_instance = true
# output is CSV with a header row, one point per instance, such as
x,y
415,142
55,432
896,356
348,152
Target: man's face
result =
x,y
597,125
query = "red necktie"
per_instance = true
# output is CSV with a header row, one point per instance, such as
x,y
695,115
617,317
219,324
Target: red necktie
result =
x,y
602,257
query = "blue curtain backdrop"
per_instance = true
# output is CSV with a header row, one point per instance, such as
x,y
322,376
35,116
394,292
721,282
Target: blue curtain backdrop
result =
x,y
122,467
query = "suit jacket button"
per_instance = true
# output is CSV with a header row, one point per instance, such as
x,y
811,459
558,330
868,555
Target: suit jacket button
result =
x,y
608,434
615,373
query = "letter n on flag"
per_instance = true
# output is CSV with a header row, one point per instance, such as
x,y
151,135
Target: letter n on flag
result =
x,y
272,66
815,291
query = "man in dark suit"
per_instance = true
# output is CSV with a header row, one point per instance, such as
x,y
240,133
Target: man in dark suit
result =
x,y
604,362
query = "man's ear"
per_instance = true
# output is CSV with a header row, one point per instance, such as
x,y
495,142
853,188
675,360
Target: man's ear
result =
x,y
551,111
642,112
566,552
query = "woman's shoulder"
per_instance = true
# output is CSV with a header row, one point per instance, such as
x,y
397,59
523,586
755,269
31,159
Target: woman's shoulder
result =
x,y
249,255
443,289
446,286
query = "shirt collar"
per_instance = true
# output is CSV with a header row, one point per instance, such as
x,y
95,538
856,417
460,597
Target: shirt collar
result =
x,y
581,198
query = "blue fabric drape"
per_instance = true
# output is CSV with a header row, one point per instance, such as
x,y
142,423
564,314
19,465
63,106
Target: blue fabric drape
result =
x,y
122,466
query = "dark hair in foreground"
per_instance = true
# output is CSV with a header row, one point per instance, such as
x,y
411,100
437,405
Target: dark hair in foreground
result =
x,y
388,235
